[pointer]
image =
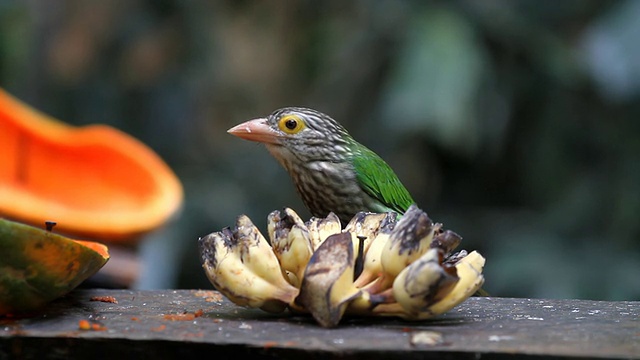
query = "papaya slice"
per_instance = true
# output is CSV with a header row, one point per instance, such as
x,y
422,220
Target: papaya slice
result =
x,y
95,180
38,266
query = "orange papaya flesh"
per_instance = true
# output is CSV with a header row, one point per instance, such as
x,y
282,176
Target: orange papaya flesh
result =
x,y
38,266
95,181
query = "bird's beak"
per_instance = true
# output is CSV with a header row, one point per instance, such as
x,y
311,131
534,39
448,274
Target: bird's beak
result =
x,y
255,130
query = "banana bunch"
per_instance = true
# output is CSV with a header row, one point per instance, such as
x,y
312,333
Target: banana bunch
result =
x,y
378,265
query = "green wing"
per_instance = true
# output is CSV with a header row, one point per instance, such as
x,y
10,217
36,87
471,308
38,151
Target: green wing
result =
x,y
379,181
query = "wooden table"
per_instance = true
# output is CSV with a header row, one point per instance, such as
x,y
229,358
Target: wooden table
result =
x,y
188,323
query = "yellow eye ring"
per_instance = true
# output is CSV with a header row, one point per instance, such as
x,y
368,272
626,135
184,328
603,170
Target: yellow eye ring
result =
x,y
291,124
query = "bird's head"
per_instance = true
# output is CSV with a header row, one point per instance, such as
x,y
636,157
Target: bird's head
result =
x,y
298,134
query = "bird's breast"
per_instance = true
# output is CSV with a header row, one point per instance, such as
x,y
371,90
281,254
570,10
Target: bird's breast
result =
x,y
328,187
324,186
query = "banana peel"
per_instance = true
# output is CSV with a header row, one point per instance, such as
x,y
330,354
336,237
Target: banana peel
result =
x,y
376,266
291,243
327,285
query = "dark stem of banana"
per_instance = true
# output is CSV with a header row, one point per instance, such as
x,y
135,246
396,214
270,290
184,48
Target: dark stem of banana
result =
x,y
359,265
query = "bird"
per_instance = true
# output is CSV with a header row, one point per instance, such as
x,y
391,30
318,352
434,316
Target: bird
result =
x,y
331,171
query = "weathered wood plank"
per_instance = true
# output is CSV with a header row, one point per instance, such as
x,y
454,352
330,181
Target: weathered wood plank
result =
x,y
168,324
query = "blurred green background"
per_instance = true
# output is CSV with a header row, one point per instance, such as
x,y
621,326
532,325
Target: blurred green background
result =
x,y
515,123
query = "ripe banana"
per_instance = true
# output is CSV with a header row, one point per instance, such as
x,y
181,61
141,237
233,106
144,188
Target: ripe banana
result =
x,y
291,242
372,267
409,239
423,283
256,253
279,223
367,225
469,270
408,271
224,260
322,228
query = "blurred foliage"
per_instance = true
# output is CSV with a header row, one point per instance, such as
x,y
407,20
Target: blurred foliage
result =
x,y
515,123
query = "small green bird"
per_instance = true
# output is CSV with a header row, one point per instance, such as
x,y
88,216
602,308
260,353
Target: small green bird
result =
x,y
332,172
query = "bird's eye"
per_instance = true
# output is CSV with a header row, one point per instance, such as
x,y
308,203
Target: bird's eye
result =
x,y
291,124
